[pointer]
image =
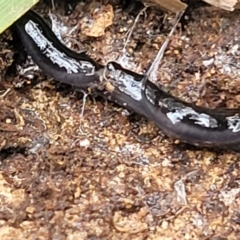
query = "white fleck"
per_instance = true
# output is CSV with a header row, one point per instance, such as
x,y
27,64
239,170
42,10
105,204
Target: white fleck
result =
x,y
167,162
185,38
229,197
208,62
58,27
62,31
180,189
233,123
125,112
234,49
227,60
150,96
127,62
165,225
84,143
198,220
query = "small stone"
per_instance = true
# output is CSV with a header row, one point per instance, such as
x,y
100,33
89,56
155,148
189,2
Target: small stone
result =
x,y
164,225
84,143
8,120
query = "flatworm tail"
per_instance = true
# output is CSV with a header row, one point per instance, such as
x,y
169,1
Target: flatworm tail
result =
x,y
191,124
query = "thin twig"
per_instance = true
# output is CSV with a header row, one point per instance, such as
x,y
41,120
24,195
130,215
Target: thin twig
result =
x,y
130,31
5,93
154,67
53,5
84,103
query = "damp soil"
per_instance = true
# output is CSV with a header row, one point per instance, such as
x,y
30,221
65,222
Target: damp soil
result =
x,y
77,167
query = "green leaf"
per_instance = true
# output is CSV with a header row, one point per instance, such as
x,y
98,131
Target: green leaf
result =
x,y
11,10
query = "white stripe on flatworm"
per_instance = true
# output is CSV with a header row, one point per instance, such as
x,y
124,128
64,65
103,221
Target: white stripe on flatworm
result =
x,y
200,118
233,123
177,111
57,57
125,82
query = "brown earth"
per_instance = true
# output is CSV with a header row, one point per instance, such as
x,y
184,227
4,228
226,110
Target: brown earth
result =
x,y
74,167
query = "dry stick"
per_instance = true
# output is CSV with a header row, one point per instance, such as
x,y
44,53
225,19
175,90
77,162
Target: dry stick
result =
x,y
154,67
84,102
122,56
129,34
53,5
5,93
82,111
130,31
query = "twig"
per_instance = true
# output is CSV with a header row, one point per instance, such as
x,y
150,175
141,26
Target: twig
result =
x,y
84,103
53,5
130,31
154,67
129,34
5,93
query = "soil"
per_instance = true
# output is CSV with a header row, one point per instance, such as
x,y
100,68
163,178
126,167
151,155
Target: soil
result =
x,y
76,167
